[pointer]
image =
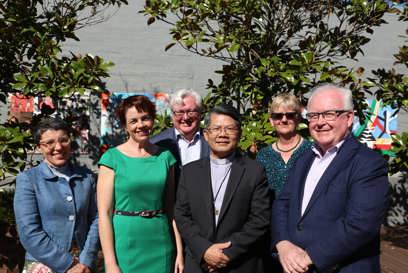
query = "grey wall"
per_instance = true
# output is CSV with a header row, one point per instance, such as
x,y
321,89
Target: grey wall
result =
x,y
141,64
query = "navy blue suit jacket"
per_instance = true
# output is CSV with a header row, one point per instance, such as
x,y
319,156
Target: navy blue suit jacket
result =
x,y
168,140
340,226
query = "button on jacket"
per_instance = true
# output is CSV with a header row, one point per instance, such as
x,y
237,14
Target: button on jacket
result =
x,y
51,213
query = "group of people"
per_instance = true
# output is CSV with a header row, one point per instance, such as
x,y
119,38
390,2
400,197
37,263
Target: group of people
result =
x,y
187,200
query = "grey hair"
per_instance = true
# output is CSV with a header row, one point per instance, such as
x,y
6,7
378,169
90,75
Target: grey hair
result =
x,y
178,96
346,93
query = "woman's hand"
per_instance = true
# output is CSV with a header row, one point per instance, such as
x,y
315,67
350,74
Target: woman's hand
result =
x,y
179,264
79,268
112,269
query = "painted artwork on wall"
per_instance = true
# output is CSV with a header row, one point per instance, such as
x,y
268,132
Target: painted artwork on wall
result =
x,y
73,109
21,108
379,125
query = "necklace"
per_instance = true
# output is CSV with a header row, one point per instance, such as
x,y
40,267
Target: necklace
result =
x,y
290,149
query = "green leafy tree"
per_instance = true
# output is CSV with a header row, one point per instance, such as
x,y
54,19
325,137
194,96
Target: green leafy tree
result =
x,y
31,61
270,46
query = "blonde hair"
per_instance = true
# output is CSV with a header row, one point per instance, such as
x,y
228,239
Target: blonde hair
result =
x,y
286,100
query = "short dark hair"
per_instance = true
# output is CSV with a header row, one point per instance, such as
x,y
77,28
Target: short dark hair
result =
x,y
224,109
50,123
140,102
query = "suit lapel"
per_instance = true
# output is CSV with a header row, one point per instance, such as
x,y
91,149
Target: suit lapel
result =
x,y
205,149
174,145
205,188
237,171
343,157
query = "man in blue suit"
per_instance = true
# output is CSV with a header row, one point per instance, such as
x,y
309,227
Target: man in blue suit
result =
x,y
185,140
328,217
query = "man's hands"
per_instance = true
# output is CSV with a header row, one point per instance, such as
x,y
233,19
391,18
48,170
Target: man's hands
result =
x,y
293,258
215,258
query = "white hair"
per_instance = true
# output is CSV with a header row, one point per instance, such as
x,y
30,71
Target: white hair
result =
x,y
345,92
179,95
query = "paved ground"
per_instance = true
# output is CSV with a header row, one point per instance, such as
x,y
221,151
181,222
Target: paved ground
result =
x,y
394,259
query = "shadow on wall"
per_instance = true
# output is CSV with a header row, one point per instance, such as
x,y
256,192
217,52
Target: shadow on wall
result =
x,y
398,209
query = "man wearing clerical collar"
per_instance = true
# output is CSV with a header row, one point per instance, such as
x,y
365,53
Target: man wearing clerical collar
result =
x,y
223,204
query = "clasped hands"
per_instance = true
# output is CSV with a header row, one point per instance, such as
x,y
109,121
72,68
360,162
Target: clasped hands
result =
x,y
215,258
293,258
80,268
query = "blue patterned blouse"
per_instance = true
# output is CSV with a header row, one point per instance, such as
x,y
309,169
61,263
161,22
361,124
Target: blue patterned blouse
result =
x,y
276,169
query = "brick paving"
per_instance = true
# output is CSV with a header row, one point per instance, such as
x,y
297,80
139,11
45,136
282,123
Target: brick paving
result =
x,y
394,259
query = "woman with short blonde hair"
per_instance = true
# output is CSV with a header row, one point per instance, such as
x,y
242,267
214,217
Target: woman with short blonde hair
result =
x,y
285,115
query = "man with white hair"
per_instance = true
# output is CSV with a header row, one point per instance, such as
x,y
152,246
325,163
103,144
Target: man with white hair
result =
x,y
185,140
328,216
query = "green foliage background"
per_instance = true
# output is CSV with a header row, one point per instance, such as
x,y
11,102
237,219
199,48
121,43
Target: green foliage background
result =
x,y
32,63
270,46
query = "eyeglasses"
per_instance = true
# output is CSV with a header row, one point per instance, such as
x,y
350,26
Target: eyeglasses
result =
x,y
329,115
50,144
190,113
218,130
288,115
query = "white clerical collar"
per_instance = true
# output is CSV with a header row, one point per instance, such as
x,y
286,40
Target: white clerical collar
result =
x,y
223,161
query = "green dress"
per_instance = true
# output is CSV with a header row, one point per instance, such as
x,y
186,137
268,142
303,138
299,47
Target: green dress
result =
x,y
141,244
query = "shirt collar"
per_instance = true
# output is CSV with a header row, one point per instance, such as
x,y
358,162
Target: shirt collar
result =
x,y
197,135
316,149
65,170
51,173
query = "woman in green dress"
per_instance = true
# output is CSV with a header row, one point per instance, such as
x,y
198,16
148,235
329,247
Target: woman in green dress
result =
x,y
135,194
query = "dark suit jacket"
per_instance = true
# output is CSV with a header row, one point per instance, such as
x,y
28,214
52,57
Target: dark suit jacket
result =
x,y
340,226
244,217
168,140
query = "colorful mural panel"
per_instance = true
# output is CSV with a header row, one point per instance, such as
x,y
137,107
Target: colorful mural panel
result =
x,y
21,108
74,109
379,125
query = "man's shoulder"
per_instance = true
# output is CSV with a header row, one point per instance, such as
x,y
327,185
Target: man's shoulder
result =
x,y
367,156
363,152
249,162
167,134
197,163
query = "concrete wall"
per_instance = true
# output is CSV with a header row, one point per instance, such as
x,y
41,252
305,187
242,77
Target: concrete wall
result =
x,y
141,64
